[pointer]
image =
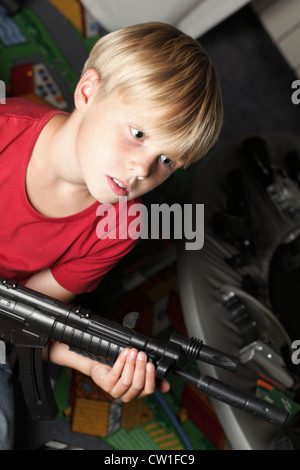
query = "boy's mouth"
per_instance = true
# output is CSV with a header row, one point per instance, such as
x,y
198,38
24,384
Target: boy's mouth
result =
x,y
117,186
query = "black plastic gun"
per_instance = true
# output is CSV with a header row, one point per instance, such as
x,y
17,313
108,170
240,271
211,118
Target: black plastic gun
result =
x,y
29,319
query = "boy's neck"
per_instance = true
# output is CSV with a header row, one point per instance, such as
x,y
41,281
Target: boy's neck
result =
x,y
53,183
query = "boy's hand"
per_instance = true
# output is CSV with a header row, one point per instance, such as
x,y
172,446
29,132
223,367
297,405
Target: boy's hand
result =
x,y
130,377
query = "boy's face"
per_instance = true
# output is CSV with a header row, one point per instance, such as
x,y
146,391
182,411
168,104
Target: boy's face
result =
x,y
115,153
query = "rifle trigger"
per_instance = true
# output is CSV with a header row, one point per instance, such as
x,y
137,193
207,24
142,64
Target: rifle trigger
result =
x,y
130,319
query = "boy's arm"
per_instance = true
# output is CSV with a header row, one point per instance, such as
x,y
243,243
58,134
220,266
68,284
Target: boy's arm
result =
x,y
130,377
45,283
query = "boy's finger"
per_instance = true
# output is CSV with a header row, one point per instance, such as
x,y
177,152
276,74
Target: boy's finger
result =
x,y
164,386
132,382
138,382
150,383
113,376
125,378
143,382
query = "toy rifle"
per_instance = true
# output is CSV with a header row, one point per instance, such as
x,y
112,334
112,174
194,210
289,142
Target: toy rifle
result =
x,y
29,319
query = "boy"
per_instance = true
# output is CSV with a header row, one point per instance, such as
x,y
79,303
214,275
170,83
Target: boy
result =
x,y
148,102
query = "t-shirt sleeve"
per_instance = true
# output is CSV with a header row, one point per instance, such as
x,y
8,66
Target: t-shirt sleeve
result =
x,y
84,274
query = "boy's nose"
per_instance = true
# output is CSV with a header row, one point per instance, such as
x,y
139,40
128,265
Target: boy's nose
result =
x,y
141,168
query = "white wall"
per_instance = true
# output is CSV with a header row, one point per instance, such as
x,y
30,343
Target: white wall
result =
x,y
194,17
281,19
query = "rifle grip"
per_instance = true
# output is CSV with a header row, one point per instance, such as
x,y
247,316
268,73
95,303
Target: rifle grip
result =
x,y
36,385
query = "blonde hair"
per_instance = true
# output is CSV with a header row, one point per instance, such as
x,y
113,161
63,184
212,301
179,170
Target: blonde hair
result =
x,y
156,64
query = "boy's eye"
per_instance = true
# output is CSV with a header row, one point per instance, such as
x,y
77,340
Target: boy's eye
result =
x,y
165,160
139,135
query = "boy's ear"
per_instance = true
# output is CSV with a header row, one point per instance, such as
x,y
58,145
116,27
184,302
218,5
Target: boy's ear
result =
x,y
86,89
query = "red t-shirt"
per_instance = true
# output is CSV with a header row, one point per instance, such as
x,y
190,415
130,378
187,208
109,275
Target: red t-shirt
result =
x,y
31,242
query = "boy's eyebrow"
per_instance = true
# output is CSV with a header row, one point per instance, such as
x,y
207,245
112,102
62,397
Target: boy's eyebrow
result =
x,y
144,118
144,122
149,135
138,127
